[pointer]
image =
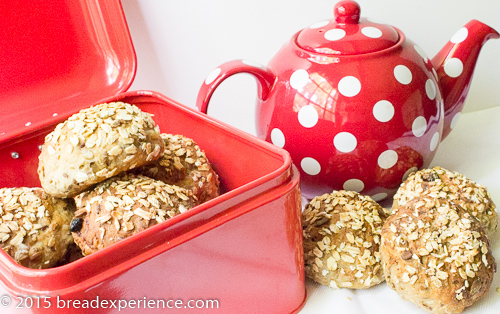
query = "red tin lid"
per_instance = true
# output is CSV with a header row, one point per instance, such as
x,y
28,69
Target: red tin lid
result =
x,y
58,57
347,34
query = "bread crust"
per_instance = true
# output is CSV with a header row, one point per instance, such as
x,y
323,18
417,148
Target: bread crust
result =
x,y
341,240
184,164
95,144
441,183
122,206
436,255
34,226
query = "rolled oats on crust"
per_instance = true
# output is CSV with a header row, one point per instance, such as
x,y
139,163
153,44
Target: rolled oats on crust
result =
x,y
123,206
436,255
95,144
34,226
341,240
441,183
184,164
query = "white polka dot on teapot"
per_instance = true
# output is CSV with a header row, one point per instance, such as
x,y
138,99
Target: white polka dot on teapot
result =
x,y
430,89
353,185
387,159
419,126
383,111
460,35
403,74
349,86
308,116
212,76
335,34
453,67
277,137
310,166
345,142
434,141
299,79
372,32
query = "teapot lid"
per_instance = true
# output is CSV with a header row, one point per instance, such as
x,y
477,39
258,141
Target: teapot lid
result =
x,y
347,33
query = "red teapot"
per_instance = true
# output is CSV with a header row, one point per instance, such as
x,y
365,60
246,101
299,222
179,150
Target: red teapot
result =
x,y
356,104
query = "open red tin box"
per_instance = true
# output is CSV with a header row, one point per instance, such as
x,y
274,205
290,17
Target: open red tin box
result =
x,y
238,253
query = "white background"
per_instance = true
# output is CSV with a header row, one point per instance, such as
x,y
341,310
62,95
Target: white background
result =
x,y
178,43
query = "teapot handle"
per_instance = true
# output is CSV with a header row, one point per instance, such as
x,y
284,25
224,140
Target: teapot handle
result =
x,y
265,79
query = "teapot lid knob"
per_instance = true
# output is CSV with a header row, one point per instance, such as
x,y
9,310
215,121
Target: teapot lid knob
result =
x,y
347,12
347,33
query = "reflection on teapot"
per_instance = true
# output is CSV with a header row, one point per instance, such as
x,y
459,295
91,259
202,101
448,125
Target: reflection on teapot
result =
x,y
356,104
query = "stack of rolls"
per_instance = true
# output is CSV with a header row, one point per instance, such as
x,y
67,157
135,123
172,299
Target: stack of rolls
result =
x,y
106,173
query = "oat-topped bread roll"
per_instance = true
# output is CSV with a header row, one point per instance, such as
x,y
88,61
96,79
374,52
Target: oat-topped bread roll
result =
x,y
95,144
439,182
123,206
341,240
34,226
184,164
436,255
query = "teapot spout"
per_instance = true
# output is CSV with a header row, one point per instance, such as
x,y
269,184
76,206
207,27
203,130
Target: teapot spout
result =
x,y
455,64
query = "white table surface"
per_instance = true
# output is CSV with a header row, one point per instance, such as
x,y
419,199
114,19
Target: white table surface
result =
x,y
473,149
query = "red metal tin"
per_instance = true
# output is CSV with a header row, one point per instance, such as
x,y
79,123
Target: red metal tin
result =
x,y
238,253
243,248
59,56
